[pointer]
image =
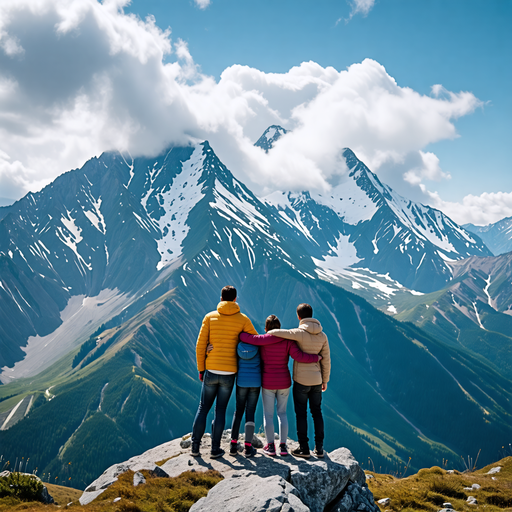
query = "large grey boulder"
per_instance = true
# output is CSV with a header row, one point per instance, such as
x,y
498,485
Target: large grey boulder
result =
x,y
252,494
320,481
256,483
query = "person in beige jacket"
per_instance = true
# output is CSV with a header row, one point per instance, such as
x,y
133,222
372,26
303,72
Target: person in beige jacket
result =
x,y
309,380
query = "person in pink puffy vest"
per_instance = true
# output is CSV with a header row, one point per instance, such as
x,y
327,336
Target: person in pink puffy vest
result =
x,y
276,379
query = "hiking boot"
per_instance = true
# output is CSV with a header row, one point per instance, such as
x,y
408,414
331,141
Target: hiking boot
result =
x,y
233,449
250,451
319,451
270,449
283,450
301,451
217,452
195,450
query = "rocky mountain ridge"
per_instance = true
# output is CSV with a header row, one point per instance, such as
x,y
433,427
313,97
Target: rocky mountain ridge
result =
x,y
474,310
497,236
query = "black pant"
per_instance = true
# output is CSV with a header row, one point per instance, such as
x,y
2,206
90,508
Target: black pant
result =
x,y
301,395
246,401
218,387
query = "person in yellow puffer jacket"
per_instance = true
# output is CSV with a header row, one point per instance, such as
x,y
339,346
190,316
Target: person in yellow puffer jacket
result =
x,y
220,329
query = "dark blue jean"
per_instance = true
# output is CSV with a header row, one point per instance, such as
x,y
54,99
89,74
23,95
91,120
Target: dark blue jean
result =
x,y
246,401
301,396
214,387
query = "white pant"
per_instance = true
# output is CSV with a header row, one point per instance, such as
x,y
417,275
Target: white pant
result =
x,y
269,397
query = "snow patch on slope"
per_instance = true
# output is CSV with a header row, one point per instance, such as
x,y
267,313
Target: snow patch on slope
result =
x,y
349,201
183,195
345,254
80,318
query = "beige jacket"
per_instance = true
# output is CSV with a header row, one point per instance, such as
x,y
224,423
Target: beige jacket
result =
x,y
311,339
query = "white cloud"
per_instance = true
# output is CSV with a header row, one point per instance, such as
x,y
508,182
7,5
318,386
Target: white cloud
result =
x,y
481,210
361,6
202,4
86,78
429,169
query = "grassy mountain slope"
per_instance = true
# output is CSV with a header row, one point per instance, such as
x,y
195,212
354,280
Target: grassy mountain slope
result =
x,y
473,311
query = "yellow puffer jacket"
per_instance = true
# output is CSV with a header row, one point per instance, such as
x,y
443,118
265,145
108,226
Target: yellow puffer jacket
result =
x,y
221,328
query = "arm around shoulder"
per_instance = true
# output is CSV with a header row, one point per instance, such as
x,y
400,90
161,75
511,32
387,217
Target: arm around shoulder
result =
x,y
299,356
287,334
259,339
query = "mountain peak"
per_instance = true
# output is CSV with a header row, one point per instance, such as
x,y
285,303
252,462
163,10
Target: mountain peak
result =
x,y
270,136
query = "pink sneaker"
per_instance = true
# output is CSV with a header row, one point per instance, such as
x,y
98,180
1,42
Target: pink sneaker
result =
x,y
270,449
283,450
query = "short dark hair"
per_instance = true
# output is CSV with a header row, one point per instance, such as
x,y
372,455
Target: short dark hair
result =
x,y
304,311
228,293
272,322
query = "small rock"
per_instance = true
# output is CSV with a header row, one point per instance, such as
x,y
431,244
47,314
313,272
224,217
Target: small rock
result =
x,y
468,488
476,486
46,497
116,500
186,443
138,478
494,478
257,442
384,501
448,505
369,477
451,471
472,500
497,469
5,474
159,472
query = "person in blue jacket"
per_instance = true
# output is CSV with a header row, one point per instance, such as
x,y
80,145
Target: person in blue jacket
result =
x,y
248,384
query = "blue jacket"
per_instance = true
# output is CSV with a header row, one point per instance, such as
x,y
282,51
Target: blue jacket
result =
x,y
249,366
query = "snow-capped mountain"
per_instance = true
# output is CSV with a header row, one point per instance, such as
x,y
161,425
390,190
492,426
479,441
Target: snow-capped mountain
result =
x,y
362,223
118,226
270,136
114,265
497,236
115,228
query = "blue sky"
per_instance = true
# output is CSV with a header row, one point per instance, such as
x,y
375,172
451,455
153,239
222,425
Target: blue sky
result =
x,y
419,89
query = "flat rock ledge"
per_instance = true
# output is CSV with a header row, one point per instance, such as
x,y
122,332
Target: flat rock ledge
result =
x,y
286,484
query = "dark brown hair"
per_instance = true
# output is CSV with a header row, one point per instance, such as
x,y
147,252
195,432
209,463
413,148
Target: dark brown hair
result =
x,y
228,293
272,322
304,311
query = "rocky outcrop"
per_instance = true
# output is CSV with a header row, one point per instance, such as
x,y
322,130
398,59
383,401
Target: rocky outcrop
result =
x,y
258,483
